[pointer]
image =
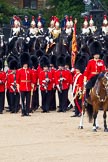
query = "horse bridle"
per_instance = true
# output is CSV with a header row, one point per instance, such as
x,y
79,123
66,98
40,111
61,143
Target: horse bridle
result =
x,y
105,83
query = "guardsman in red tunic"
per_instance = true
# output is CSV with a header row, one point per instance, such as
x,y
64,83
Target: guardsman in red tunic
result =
x,y
67,68
35,95
2,87
46,84
78,85
62,81
12,87
25,83
94,67
53,60
9,58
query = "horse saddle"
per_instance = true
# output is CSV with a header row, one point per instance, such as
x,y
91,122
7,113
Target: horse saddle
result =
x,y
90,84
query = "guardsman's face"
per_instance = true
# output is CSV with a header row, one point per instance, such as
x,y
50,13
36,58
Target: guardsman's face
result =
x,y
66,67
45,68
25,66
60,67
96,56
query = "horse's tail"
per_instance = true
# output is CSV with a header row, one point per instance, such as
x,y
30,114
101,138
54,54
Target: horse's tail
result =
x,y
89,109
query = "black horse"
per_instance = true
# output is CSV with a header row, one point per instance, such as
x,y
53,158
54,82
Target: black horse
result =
x,y
60,46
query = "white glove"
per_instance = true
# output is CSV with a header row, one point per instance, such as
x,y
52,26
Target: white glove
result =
x,y
72,70
47,38
51,40
28,39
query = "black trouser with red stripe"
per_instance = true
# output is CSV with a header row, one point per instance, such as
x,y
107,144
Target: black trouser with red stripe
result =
x,y
78,106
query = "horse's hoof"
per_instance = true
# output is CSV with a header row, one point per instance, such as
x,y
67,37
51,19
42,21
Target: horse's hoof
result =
x,y
94,130
106,130
98,128
80,127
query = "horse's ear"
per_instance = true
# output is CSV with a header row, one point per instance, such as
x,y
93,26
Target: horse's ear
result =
x,y
101,75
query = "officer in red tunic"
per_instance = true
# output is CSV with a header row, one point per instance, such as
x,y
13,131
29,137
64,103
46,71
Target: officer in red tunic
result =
x,y
35,96
53,66
94,67
2,87
62,80
46,84
80,66
11,82
25,83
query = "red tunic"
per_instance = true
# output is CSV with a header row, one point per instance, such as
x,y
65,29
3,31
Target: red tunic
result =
x,y
43,84
77,82
2,81
11,81
24,78
64,74
35,78
53,70
94,67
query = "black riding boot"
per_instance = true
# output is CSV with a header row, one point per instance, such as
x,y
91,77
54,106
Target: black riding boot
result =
x,y
87,93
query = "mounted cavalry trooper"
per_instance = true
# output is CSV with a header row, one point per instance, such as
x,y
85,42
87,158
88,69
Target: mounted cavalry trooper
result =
x,y
94,67
85,29
50,29
91,25
68,29
40,28
16,31
105,26
32,32
57,30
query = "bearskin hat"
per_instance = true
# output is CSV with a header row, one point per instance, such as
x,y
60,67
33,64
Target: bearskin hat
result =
x,y
1,64
39,53
44,62
25,59
53,60
81,63
9,58
13,64
105,58
68,61
95,48
34,61
61,61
